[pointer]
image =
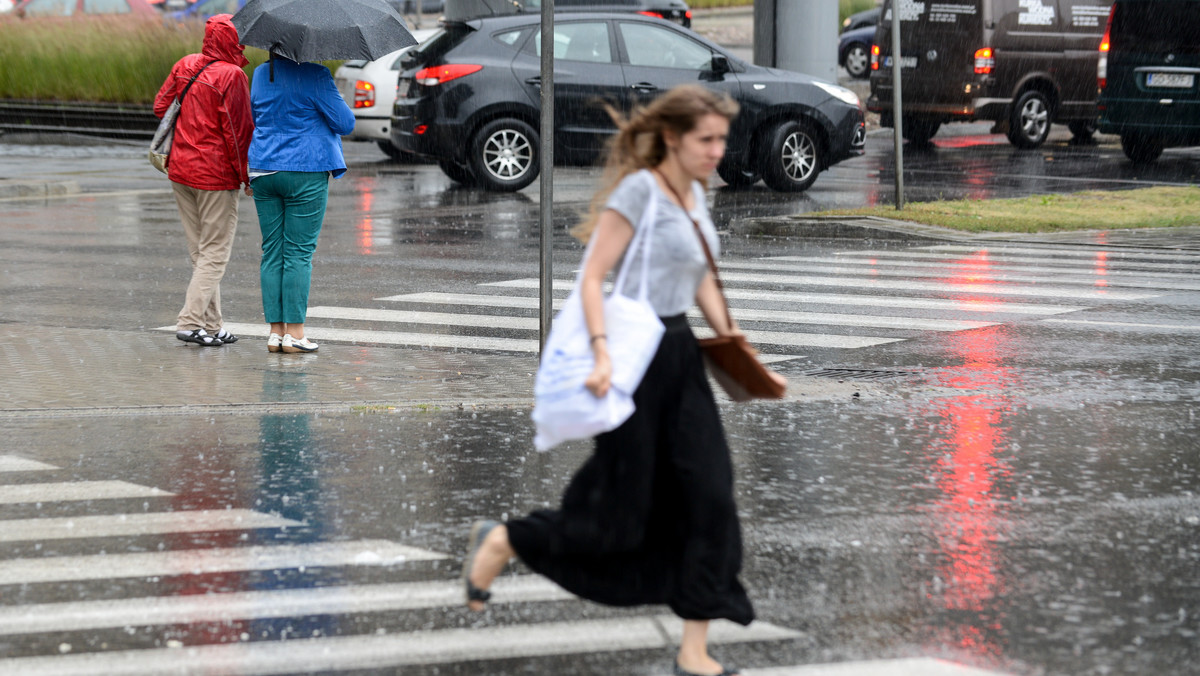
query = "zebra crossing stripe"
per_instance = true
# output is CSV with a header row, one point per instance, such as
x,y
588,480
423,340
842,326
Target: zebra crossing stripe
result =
x,y
916,666
341,653
531,323
1091,276
891,259
474,343
154,523
1124,325
771,297
1069,253
1056,258
973,290
260,605
934,286
74,491
205,561
786,339
12,463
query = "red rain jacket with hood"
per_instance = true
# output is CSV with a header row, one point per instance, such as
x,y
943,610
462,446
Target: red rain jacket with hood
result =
x,y
215,124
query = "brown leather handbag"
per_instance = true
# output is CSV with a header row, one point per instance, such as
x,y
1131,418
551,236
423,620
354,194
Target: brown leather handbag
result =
x,y
731,359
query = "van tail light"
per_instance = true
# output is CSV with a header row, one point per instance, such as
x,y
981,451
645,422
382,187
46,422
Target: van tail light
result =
x,y
1105,43
364,94
985,61
874,57
436,75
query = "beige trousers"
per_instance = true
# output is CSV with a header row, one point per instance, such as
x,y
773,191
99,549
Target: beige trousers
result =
x,y
209,222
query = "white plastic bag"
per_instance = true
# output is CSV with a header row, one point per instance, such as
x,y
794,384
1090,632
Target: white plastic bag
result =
x,y
563,408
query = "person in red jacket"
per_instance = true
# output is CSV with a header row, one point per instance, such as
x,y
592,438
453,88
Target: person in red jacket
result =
x,y
207,168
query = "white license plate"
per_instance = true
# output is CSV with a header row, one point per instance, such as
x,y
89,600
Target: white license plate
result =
x,y
402,89
1171,80
905,62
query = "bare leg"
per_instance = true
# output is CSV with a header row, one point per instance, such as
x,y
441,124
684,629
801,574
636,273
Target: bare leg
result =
x,y
493,555
693,649
278,327
297,330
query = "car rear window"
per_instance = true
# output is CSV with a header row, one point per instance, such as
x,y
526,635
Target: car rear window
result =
x,y
1157,27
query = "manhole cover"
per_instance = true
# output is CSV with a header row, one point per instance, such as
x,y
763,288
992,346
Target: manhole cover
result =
x,y
860,374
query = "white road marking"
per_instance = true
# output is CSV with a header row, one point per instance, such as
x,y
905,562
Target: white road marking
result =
x,y
203,561
12,463
444,646
742,315
1124,325
764,297
971,290
154,523
1080,273
259,605
74,491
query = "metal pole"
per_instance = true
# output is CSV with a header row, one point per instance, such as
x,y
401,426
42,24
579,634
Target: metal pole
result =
x,y
897,109
546,162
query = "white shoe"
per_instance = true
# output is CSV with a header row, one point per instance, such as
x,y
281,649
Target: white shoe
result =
x,y
292,345
274,343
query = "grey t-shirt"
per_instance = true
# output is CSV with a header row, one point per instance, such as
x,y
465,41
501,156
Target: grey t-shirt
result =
x,y
677,262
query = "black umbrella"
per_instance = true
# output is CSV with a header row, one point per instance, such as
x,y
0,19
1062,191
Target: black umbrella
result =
x,y
318,30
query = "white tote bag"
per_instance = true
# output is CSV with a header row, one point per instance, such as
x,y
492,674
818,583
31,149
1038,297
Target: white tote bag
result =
x,y
563,408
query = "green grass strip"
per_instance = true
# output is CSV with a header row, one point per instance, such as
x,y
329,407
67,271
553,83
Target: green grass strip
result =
x,y
1160,207
110,59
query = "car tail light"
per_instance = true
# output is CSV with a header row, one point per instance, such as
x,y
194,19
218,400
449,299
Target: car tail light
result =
x,y
985,61
688,14
420,129
874,57
364,94
436,75
1105,43
656,15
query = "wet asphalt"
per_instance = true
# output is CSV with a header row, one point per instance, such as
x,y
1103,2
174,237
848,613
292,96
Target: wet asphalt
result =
x,y
1018,497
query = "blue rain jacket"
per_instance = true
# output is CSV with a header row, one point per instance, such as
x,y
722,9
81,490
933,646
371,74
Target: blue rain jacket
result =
x,y
299,119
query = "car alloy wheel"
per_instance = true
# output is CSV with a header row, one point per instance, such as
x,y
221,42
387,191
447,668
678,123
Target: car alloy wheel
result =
x,y
504,155
1030,123
793,158
858,61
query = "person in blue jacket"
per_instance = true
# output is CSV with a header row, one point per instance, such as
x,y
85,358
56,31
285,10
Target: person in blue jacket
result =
x,y
299,119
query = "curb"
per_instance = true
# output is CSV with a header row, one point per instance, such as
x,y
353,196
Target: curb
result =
x,y
19,190
841,227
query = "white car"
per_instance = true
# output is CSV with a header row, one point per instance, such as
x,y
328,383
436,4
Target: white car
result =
x,y
369,88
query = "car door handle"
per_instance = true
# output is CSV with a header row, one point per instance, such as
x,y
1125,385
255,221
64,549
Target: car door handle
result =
x,y
644,87
536,80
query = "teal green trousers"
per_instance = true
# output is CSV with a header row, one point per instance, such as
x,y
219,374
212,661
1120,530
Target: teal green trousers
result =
x,y
291,209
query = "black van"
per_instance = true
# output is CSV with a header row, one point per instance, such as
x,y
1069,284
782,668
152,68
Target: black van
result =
x,y
1021,63
1149,76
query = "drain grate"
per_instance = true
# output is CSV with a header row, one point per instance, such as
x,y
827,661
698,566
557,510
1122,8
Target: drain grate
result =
x,y
860,374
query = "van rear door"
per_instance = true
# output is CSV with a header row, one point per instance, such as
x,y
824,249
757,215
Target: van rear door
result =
x,y
1154,66
1083,24
937,44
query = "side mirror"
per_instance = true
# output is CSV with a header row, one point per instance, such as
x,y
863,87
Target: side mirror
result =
x,y
720,64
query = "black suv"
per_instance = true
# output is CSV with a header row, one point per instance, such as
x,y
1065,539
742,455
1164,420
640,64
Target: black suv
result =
x,y
469,98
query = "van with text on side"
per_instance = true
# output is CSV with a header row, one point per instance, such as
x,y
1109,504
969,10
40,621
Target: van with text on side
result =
x,y
1022,64
1149,76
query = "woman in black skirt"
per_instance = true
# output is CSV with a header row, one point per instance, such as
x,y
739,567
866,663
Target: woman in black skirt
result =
x,y
650,517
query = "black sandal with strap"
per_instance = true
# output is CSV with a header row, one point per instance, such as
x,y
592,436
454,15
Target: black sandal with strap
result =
x,y
479,533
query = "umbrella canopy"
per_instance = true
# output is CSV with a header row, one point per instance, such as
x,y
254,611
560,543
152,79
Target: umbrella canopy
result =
x,y
318,30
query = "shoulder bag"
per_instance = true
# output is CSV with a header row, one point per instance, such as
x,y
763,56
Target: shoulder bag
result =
x,y
563,407
160,146
731,359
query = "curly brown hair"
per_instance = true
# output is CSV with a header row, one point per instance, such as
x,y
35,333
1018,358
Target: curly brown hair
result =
x,y
640,142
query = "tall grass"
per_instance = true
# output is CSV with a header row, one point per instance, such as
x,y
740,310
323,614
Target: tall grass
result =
x,y
111,59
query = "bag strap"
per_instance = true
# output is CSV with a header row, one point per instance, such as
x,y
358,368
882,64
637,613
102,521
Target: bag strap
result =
x,y
640,238
712,264
193,81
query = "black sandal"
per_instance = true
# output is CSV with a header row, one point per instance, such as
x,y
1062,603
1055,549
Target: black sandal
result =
x,y
479,532
199,337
